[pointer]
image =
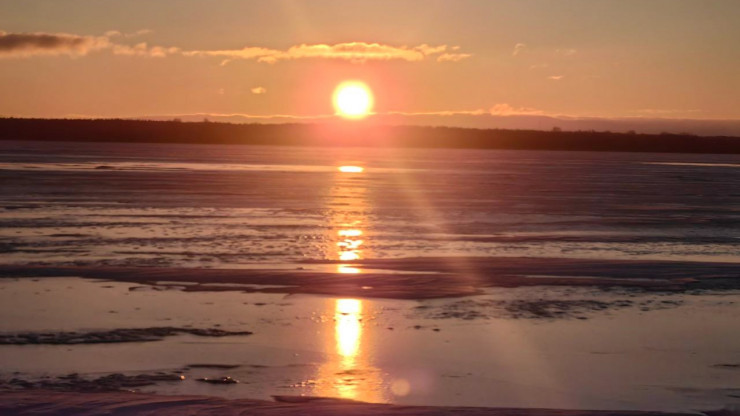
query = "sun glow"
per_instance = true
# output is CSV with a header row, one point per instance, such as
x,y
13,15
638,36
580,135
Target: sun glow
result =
x,y
353,99
348,329
351,169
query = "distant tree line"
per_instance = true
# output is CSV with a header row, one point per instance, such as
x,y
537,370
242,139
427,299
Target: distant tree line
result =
x,y
353,133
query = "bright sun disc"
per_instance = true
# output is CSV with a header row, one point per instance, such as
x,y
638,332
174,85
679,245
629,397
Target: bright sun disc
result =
x,y
353,99
351,169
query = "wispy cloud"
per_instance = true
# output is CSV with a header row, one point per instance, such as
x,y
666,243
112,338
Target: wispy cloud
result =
x,y
259,90
356,52
667,111
248,53
142,49
22,45
505,109
556,77
518,48
115,33
353,51
32,44
453,57
501,109
276,117
478,112
433,50
566,52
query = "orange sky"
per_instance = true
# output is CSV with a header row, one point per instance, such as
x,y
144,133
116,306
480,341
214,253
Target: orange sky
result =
x,y
580,58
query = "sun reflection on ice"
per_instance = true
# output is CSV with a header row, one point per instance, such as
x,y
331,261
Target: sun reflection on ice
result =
x,y
348,329
347,270
348,372
349,248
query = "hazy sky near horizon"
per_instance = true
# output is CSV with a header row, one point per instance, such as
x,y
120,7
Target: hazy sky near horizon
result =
x,y
597,58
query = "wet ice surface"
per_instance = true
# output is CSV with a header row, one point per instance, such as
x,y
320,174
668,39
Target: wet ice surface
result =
x,y
275,207
233,238
234,206
666,352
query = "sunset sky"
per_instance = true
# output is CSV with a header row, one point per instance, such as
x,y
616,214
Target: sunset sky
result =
x,y
581,58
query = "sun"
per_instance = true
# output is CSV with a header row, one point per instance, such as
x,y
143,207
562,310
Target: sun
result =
x,y
353,99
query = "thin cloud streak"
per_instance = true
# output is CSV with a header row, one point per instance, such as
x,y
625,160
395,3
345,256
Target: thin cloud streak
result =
x,y
478,112
114,33
566,52
355,52
230,54
242,115
505,109
142,49
453,57
497,110
501,109
24,45
518,48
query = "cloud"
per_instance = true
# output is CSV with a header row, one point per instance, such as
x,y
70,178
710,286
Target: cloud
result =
x,y
501,109
566,52
31,44
356,52
664,111
518,48
431,50
504,109
231,54
114,33
259,90
556,77
478,112
142,49
22,45
277,117
453,57
141,32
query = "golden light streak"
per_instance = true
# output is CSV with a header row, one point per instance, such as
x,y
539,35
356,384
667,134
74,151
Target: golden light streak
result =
x,y
349,248
347,270
349,233
348,329
349,256
349,244
348,371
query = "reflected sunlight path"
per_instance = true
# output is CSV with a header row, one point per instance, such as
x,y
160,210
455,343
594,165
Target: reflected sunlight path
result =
x,y
348,372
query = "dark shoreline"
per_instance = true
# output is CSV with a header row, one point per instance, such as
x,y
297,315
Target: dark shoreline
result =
x,y
353,134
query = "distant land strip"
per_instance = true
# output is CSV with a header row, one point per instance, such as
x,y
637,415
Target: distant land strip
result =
x,y
354,133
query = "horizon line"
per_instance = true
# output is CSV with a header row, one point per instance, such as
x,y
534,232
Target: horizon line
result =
x,y
440,113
